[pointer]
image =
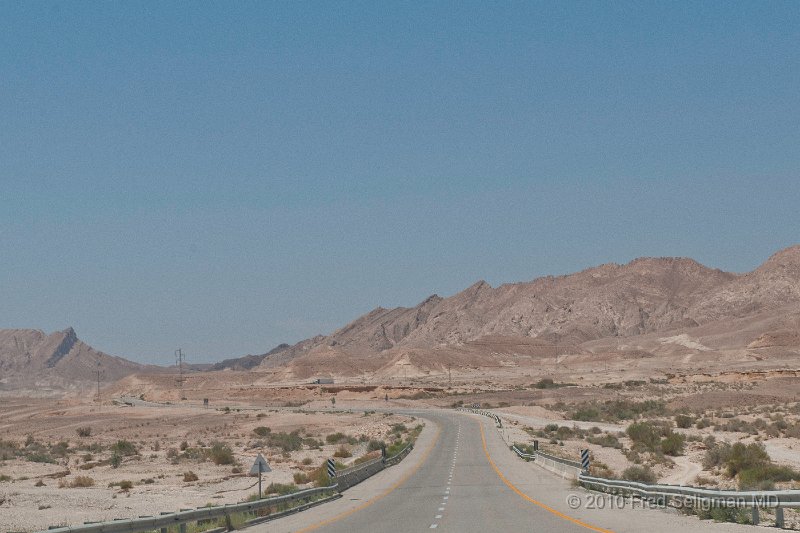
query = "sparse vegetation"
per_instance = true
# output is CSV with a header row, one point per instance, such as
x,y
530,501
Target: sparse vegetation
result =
x,y
82,482
84,432
642,474
189,476
342,452
750,464
221,454
124,448
281,488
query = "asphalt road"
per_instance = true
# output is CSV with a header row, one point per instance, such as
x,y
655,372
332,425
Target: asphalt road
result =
x,y
461,477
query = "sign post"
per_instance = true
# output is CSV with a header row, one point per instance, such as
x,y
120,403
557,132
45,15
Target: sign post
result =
x,y
259,467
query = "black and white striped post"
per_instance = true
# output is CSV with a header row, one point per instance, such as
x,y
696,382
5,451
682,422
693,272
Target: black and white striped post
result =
x,y
585,460
331,469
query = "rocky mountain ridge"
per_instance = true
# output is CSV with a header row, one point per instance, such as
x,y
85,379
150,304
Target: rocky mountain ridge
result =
x,y
647,295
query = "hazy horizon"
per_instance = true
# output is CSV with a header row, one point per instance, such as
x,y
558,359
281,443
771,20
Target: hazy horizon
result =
x,y
231,177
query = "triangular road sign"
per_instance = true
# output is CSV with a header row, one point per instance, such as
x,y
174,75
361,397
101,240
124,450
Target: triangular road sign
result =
x,y
260,466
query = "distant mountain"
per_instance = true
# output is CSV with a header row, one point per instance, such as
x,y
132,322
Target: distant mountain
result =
x,y
552,315
31,359
246,362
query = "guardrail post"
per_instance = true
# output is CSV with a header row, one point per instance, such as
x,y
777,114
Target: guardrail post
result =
x,y
163,530
779,522
755,515
182,527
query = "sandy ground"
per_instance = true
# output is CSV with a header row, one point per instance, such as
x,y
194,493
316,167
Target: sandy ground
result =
x,y
158,481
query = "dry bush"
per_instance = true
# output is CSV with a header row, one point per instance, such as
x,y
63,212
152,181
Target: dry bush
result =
x,y
82,482
342,452
189,476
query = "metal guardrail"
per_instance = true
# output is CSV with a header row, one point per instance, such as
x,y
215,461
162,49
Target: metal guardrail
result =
x,y
482,412
399,456
551,462
150,523
668,494
694,496
344,479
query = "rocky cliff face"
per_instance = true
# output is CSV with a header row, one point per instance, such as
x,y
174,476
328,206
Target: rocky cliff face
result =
x,y
31,359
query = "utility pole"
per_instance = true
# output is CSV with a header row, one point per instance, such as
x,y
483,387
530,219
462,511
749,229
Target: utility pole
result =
x,y
449,376
179,359
97,373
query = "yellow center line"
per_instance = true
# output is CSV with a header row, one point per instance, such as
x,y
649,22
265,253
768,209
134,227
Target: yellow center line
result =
x,y
526,497
388,491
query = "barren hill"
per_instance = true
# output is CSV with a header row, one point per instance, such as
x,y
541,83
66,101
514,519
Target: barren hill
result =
x,y
558,315
31,359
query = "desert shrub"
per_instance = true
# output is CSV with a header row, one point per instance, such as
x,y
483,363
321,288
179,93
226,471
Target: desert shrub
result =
x,y
300,478
172,454
307,461
342,452
564,433
716,454
221,454
399,428
396,447
702,423
764,477
586,414
738,515
262,431
189,476
287,442
375,445
116,459
644,434
281,488
82,482
614,410
744,457
184,445
124,448
4,478
319,476
606,441
551,427
684,421
545,383
672,444
125,485
335,438
312,443
40,457
84,432
642,474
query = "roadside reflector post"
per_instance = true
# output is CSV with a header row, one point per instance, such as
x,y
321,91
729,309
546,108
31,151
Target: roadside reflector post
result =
x,y
585,460
331,469
535,445
755,515
779,522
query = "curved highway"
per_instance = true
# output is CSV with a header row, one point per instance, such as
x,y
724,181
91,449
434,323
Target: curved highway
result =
x,y
462,477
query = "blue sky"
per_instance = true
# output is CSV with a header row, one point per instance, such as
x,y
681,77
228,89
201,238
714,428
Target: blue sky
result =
x,y
223,177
